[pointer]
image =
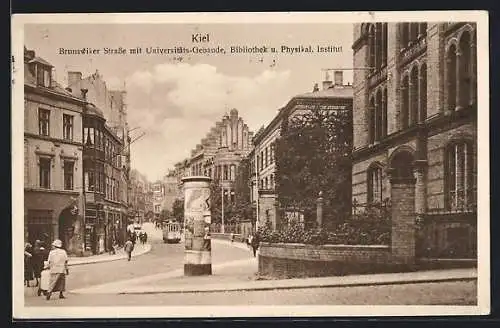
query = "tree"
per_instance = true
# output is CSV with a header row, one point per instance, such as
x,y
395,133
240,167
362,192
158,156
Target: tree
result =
x,y
165,215
178,209
242,207
313,155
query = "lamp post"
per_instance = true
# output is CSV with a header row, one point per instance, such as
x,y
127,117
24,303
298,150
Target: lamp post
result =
x,y
223,194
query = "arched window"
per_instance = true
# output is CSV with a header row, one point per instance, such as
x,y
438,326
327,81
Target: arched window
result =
x,y
465,69
422,29
378,45
460,176
451,77
371,119
384,47
405,35
413,95
378,116
371,45
374,195
404,102
384,114
423,93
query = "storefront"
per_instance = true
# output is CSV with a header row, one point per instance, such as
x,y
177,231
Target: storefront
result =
x,y
53,215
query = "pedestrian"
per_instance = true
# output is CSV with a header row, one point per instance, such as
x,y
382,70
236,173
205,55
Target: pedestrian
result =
x,y
37,260
232,237
58,266
28,264
249,241
145,237
43,288
255,244
129,247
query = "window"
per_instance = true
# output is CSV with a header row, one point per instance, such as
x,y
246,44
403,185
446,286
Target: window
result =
x,y
423,93
272,154
267,157
45,172
272,181
461,73
377,45
261,160
374,185
405,103
43,76
68,175
90,181
460,176
413,96
411,32
67,127
44,122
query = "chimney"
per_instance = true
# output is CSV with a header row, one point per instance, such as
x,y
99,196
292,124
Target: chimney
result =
x,y
327,83
74,78
84,93
338,78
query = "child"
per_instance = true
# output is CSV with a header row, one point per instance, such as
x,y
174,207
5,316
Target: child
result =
x,y
44,279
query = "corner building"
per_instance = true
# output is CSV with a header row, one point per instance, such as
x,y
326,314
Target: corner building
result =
x,y
53,193
415,130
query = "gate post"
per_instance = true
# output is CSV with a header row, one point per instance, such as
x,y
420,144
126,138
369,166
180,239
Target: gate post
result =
x,y
197,219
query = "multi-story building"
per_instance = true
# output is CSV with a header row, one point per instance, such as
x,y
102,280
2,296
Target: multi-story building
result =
x,y
220,152
335,95
170,191
106,216
415,130
113,105
53,194
158,193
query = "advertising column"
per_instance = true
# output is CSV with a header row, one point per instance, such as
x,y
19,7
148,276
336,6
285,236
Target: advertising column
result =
x,y
197,219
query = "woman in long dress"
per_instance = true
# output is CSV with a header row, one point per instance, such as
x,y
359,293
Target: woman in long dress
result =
x,y
28,264
37,260
58,266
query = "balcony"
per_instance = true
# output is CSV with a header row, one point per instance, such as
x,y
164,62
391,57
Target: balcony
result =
x,y
377,77
415,49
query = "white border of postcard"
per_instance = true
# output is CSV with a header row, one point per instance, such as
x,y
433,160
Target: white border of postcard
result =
x,y
483,305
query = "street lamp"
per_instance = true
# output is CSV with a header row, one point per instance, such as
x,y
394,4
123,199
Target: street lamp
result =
x,y
224,193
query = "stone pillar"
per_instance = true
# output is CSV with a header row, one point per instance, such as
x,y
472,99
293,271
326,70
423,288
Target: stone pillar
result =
x,y
403,221
420,187
473,72
197,248
458,75
319,210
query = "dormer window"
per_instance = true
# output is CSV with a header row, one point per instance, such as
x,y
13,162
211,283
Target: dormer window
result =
x,y
43,75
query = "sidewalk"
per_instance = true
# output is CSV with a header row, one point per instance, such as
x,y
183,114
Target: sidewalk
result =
x,y
139,249
241,275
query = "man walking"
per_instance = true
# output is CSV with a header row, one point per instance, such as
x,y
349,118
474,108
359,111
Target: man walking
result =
x,y
129,247
58,266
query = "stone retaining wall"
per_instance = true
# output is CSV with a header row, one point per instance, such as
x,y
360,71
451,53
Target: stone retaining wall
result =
x,y
299,260
227,236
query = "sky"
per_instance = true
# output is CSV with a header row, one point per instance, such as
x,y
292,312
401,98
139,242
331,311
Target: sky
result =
x,y
176,99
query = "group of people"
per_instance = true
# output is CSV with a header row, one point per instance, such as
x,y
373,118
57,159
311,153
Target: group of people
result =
x,y
47,268
143,237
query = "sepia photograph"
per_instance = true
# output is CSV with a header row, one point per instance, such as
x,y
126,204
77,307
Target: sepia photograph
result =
x,y
250,164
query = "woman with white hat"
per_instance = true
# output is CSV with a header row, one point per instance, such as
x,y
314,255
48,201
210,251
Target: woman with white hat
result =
x,y
58,266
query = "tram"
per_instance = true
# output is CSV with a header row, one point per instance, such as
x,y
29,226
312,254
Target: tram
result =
x,y
172,232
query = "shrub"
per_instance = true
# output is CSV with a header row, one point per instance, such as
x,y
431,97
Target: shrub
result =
x,y
370,226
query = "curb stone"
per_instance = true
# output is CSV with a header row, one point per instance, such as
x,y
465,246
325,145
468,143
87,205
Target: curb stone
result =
x,y
93,261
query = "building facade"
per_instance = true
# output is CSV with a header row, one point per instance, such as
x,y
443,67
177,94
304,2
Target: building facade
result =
x,y
106,216
113,105
170,191
334,95
53,165
220,152
415,130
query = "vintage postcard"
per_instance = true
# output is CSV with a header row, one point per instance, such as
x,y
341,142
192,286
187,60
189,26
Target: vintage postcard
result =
x,y
250,164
